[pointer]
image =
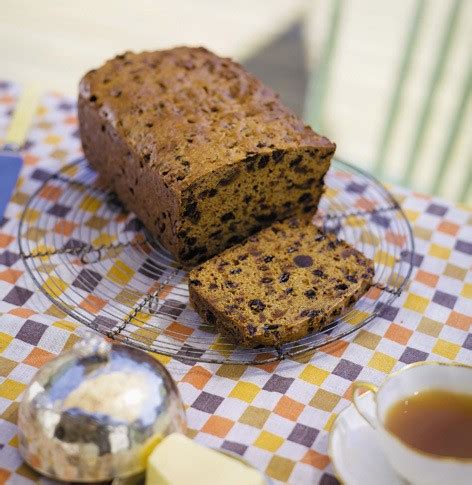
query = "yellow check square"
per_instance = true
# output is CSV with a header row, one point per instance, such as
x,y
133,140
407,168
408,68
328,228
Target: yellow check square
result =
x,y
90,204
314,375
355,317
163,359
103,239
5,340
439,251
120,273
411,215
14,441
382,257
31,215
10,389
269,441
52,139
416,303
246,391
382,362
65,325
54,286
467,290
446,349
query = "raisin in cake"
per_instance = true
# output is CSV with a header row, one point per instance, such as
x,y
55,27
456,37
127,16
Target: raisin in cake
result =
x,y
198,148
281,284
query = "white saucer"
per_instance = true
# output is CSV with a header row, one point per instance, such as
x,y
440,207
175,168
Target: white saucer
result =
x,y
355,451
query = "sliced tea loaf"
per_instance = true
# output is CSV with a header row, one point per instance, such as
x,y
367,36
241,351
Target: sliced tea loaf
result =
x,y
201,150
281,284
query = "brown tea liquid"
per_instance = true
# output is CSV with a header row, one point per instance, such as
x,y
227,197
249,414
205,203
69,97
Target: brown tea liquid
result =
x,y
434,421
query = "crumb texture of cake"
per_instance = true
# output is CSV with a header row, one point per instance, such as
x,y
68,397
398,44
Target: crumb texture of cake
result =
x,y
201,150
283,283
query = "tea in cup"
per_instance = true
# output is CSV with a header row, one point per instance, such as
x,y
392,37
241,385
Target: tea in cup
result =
x,y
423,417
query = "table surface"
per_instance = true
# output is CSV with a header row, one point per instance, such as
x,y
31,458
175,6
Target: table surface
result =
x,y
276,415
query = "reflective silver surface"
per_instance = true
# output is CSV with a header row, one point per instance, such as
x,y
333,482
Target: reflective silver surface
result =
x,y
96,412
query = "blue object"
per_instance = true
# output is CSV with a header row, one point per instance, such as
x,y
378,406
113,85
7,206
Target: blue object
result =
x,y
10,166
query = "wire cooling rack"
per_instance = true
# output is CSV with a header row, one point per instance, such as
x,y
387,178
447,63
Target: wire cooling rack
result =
x,y
97,263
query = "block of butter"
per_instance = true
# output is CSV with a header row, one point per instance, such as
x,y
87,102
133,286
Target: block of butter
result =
x,y
177,460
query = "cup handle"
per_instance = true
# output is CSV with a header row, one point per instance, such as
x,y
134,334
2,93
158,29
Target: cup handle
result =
x,y
356,388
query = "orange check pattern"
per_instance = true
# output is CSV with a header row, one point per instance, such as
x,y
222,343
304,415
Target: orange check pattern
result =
x,y
277,415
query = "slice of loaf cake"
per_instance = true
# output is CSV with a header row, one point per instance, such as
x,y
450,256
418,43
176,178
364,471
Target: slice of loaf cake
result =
x,y
198,148
281,284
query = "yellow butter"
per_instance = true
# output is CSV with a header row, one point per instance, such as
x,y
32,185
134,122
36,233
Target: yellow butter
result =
x,y
177,460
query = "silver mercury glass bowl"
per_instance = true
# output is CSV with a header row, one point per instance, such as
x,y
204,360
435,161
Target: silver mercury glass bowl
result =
x,y
96,412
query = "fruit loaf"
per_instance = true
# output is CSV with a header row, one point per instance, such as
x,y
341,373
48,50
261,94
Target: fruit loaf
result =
x,y
198,148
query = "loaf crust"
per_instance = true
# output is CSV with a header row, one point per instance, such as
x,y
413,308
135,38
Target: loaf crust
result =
x,y
198,148
283,283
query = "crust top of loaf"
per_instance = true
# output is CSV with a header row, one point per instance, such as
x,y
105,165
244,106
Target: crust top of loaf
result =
x,y
187,112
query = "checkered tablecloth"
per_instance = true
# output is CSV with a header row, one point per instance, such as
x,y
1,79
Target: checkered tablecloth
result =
x,y
276,415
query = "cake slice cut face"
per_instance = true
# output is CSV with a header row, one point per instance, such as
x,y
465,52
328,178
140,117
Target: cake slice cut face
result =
x,y
287,281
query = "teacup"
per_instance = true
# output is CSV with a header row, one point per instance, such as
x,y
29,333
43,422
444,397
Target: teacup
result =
x,y
417,466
